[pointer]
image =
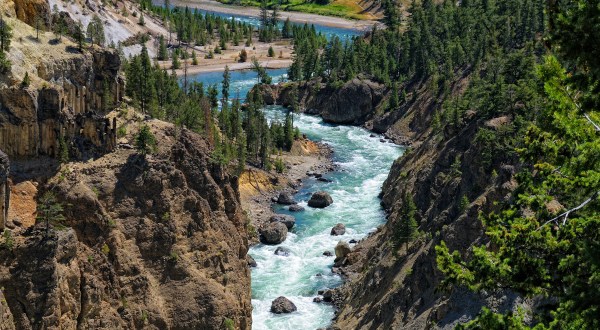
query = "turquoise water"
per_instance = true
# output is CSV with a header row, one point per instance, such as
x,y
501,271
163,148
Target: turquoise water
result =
x,y
364,163
241,82
327,31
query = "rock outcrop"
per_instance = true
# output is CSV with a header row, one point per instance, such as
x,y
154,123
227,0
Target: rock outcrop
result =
x,y
320,199
285,198
67,111
30,10
400,289
288,220
4,189
273,233
338,229
352,103
147,243
282,305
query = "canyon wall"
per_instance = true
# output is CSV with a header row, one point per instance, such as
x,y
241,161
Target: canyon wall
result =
x,y
69,106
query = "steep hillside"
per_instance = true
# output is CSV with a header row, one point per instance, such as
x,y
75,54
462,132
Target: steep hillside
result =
x,y
95,234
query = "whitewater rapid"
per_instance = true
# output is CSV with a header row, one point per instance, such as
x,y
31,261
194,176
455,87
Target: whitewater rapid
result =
x,y
363,164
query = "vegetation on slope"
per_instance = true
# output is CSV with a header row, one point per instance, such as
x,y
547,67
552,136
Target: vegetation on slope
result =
x,y
535,67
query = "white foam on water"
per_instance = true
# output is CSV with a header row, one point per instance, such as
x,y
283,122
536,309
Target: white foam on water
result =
x,y
364,163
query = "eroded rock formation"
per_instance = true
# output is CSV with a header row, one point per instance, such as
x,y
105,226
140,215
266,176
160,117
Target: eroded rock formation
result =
x,y
4,189
70,107
155,244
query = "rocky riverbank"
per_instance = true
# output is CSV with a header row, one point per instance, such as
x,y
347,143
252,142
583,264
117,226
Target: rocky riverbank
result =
x,y
259,188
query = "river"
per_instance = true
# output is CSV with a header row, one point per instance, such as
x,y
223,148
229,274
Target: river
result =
x,y
363,163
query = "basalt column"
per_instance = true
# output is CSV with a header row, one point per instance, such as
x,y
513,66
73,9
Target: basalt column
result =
x,y
4,189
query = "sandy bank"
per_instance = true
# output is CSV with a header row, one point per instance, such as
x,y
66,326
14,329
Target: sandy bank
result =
x,y
296,17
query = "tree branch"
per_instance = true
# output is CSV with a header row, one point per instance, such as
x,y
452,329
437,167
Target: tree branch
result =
x,y
565,215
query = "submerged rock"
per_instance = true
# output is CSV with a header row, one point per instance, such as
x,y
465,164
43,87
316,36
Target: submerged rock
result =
x,y
251,261
285,199
339,229
282,251
288,220
320,199
295,208
328,253
282,305
273,233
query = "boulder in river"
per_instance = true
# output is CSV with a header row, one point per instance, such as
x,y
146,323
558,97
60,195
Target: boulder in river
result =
x,y
339,229
283,251
285,198
328,253
322,179
273,233
342,249
251,261
288,220
320,199
295,208
282,305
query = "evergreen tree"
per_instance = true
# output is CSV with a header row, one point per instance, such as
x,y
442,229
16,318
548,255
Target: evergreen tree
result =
x,y
95,31
5,35
225,84
271,52
39,25
264,14
163,53
26,81
79,36
175,64
146,87
145,142
406,230
49,211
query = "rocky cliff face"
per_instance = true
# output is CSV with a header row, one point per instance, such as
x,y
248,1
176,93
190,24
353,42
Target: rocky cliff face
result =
x,y
69,105
353,103
391,287
156,243
361,101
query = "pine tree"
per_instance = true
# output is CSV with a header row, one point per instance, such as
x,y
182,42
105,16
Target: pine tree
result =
x,y
175,64
145,142
49,211
147,88
163,53
406,230
5,35
79,36
95,31
271,52
26,81
39,25
264,14
225,84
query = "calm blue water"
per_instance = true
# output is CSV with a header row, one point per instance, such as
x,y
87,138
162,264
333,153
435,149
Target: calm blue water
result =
x,y
327,31
241,82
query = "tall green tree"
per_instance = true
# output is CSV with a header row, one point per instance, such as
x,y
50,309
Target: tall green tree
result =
x,y
406,230
5,34
49,211
95,31
145,141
